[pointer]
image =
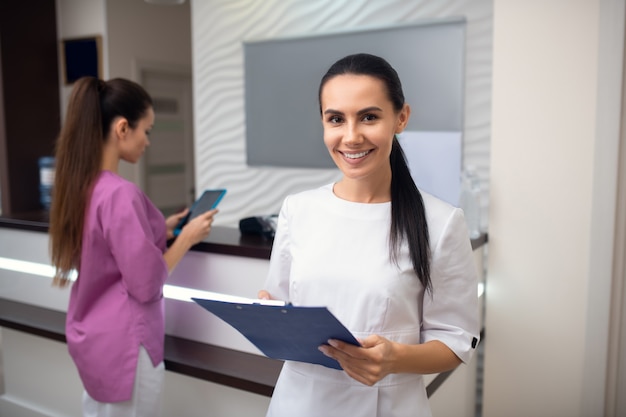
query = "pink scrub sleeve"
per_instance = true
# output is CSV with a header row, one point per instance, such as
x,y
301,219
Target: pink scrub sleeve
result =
x,y
133,243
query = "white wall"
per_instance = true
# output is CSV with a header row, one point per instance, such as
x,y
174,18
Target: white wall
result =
x,y
220,27
556,97
139,31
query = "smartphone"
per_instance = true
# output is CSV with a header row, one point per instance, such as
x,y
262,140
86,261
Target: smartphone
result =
x,y
207,201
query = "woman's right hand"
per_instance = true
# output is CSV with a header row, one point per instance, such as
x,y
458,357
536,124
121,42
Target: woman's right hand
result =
x,y
198,228
193,232
264,295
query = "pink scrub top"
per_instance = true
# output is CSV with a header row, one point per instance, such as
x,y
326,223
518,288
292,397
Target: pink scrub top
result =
x,y
116,303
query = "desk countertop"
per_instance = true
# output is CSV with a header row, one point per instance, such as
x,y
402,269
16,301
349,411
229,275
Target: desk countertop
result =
x,y
223,240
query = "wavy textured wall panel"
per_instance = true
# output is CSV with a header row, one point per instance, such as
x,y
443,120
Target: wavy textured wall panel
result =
x,y
220,26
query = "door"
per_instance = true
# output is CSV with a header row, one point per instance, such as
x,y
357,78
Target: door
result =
x,y
167,175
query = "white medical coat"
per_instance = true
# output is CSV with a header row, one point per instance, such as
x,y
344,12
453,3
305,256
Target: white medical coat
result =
x,y
335,253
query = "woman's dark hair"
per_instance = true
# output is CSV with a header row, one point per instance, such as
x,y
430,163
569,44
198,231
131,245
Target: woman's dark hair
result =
x,y
92,107
408,216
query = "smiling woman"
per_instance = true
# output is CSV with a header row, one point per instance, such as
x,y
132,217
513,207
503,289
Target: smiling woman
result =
x,y
401,257
359,123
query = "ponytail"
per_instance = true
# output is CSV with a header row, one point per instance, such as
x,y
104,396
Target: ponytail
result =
x,y
78,156
408,217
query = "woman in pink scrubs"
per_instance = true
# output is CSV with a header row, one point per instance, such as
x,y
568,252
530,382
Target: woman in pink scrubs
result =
x,y
107,229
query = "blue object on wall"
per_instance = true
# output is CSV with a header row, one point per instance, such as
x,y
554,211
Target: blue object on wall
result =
x,y
82,58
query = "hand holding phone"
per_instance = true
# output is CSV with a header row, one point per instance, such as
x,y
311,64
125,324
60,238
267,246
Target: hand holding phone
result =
x,y
207,201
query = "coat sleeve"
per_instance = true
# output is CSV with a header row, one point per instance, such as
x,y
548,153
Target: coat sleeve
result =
x,y
277,281
450,313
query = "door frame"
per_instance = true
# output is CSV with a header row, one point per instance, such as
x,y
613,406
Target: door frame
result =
x,y
615,403
139,67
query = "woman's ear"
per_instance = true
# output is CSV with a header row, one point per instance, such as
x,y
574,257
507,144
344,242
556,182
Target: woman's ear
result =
x,y
120,127
403,118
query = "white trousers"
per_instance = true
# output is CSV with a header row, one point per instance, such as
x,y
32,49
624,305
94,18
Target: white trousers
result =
x,y
146,399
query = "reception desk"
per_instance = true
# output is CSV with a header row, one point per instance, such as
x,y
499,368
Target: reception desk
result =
x,y
212,369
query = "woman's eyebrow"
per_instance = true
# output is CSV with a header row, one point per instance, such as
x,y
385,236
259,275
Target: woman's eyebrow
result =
x,y
332,111
362,111
369,110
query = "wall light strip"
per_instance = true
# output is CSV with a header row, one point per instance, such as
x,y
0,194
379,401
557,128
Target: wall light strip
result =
x,y
27,267
172,292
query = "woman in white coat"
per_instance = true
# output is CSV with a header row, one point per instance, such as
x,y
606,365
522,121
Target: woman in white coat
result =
x,y
392,263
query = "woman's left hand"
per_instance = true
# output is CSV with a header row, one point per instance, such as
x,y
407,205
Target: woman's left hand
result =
x,y
368,363
173,220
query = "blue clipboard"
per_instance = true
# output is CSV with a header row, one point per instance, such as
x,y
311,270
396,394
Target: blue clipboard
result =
x,y
284,332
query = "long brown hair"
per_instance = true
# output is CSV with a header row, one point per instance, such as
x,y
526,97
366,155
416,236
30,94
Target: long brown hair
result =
x,y
92,107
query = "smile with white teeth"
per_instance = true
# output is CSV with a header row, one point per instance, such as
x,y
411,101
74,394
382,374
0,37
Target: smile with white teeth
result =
x,y
355,155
